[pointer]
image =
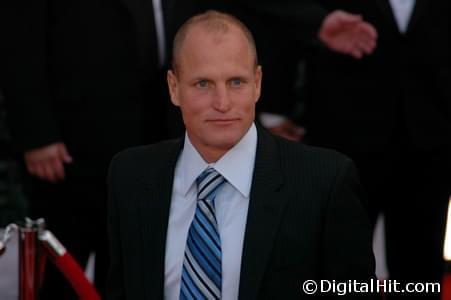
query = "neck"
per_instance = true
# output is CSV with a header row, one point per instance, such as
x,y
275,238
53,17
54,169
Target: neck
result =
x,y
211,155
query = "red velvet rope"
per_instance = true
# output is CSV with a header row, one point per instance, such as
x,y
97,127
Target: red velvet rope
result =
x,y
69,267
76,277
446,287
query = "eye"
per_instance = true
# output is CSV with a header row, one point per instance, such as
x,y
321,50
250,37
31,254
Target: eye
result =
x,y
236,82
202,84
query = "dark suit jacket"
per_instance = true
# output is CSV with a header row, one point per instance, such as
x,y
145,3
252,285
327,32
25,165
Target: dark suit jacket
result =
x,y
306,220
403,87
83,72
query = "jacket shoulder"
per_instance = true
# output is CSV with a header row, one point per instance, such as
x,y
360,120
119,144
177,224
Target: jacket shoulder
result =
x,y
135,161
309,158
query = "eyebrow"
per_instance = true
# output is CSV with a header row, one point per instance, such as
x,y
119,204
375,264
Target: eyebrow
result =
x,y
196,79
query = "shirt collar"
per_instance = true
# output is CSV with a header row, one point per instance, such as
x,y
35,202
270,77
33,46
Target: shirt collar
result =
x,y
236,165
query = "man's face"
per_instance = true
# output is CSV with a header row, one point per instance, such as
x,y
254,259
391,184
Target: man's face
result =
x,y
216,88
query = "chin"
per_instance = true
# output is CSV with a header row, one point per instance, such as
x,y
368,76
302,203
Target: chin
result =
x,y
225,141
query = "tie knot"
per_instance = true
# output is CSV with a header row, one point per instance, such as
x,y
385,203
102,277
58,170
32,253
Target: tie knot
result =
x,y
208,183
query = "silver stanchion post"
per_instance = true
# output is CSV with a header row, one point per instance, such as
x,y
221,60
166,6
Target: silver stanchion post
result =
x,y
35,245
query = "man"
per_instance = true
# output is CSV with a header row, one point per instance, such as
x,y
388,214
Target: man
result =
x,y
230,211
81,82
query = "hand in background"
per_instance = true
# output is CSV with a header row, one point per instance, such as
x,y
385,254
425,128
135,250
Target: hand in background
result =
x,y
47,163
348,34
288,130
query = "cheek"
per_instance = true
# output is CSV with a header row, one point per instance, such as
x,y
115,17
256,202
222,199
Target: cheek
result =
x,y
196,109
194,106
244,98
247,104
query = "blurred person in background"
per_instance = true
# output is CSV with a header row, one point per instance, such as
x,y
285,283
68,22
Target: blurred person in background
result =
x,y
390,112
82,80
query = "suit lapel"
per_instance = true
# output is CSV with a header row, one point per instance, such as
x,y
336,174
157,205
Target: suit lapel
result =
x,y
418,10
265,210
153,217
387,12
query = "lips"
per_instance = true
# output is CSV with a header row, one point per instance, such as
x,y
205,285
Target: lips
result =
x,y
223,121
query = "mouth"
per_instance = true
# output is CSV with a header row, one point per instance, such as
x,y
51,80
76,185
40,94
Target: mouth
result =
x,y
223,121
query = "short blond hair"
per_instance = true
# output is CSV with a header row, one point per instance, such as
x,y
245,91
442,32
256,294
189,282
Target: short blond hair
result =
x,y
212,21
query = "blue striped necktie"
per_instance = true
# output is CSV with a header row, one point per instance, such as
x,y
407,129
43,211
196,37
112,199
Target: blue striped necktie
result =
x,y
202,271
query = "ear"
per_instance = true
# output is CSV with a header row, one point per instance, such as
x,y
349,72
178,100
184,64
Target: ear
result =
x,y
173,86
258,82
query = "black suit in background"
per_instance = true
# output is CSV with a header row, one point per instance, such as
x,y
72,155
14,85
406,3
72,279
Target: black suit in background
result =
x,y
282,30
391,113
307,220
83,72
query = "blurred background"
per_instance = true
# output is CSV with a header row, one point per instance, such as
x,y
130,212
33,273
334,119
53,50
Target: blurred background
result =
x,y
82,80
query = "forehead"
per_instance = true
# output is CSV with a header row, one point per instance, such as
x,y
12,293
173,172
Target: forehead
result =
x,y
215,48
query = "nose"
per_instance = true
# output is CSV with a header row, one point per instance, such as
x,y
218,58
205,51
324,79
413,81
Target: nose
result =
x,y
221,101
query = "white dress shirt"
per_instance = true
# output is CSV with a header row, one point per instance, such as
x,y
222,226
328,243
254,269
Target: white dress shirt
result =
x,y
402,10
231,206
159,28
